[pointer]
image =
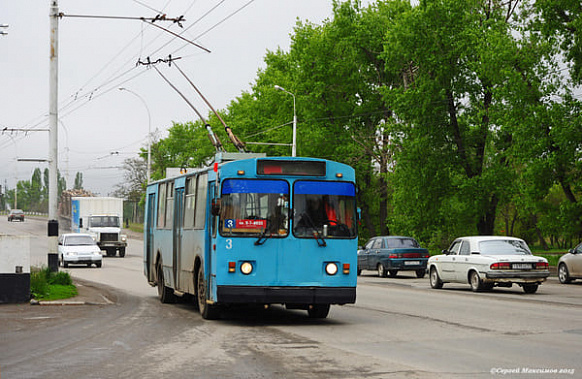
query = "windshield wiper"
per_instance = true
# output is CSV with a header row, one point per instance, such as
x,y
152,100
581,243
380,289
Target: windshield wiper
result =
x,y
263,238
316,235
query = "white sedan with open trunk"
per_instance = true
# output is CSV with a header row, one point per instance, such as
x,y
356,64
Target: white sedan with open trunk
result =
x,y
487,261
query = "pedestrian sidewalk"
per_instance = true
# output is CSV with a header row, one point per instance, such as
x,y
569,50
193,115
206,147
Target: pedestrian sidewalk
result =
x,y
89,293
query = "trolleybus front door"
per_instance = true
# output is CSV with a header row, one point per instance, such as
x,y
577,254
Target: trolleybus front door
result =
x,y
150,237
177,235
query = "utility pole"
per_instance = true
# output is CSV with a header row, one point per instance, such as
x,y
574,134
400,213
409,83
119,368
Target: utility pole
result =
x,y
53,223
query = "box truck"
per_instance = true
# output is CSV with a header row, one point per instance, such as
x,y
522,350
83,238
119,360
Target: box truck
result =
x,y
101,217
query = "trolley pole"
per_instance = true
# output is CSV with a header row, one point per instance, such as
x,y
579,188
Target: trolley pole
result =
x,y
53,224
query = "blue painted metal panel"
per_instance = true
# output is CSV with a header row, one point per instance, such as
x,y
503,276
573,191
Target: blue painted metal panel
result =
x,y
286,262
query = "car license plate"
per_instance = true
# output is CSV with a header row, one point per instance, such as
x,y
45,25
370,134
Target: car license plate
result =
x,y
411,263
521,266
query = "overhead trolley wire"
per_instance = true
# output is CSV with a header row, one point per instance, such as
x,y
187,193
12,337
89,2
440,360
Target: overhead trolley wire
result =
x,y
88,95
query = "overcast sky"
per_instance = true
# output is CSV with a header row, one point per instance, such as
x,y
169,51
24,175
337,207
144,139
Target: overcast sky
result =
x,y
100,126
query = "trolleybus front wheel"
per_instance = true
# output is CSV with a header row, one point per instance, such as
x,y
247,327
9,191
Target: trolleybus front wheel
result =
x,y
318,310
165,294
208,311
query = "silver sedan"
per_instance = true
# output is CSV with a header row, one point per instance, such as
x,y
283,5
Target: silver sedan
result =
x,y
570,265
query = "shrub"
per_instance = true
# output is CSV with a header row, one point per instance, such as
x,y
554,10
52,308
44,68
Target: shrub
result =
x,y
39,286
48,285
62,278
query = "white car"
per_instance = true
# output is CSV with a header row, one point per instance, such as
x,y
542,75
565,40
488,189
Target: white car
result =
x,y
488,261
78,248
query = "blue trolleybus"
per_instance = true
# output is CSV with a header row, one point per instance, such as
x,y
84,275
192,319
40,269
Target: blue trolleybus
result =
x,y
254,231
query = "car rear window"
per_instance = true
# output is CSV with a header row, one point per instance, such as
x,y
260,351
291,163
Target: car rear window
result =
x,y
504,247
395,243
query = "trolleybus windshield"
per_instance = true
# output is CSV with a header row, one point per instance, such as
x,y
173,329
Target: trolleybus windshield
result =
x,y
252,208
324,209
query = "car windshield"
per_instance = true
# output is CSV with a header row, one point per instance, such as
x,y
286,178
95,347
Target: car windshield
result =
x,y
104,221
396,243
251,208
79,240
17,212
504,247
326,209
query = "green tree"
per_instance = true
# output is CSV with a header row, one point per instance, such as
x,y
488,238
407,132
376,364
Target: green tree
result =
x,y
456,115
78,181
457,60
335,72
548,139
561,21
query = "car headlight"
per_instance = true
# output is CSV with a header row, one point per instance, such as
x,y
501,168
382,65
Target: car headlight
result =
x,y
123,238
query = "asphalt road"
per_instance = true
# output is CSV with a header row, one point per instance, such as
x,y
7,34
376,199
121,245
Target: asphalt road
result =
x,y
399,327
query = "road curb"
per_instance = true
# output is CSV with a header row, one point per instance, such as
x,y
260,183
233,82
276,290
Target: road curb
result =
x,y
105,301
89,293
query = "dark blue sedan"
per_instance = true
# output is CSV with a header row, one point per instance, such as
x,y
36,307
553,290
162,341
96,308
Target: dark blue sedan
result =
x,y
390,254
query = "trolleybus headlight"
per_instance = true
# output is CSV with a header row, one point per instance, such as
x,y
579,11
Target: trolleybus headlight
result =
x,y
246,268
331,268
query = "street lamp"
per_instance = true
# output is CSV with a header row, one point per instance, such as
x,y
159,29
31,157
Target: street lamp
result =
x,y
149,130
294,145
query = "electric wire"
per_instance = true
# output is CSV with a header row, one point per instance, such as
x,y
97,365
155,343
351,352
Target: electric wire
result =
x,y
217,24
90,94
189,27
147,6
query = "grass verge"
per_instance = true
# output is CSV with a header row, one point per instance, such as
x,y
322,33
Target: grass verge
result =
x,y
136,227
48,285
552,259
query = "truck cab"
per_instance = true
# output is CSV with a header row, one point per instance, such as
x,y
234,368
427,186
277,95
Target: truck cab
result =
x,y
106,229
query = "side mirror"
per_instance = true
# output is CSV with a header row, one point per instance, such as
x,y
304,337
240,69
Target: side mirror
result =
x,y
215,207
572,251
445,252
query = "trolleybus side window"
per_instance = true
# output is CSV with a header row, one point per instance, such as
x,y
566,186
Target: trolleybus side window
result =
x,y
252,208
195,204
190,202
324,209
169,205
161,205
201,191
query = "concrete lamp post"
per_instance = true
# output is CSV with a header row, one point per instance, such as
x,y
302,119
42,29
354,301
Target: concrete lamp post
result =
x,y
294,145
